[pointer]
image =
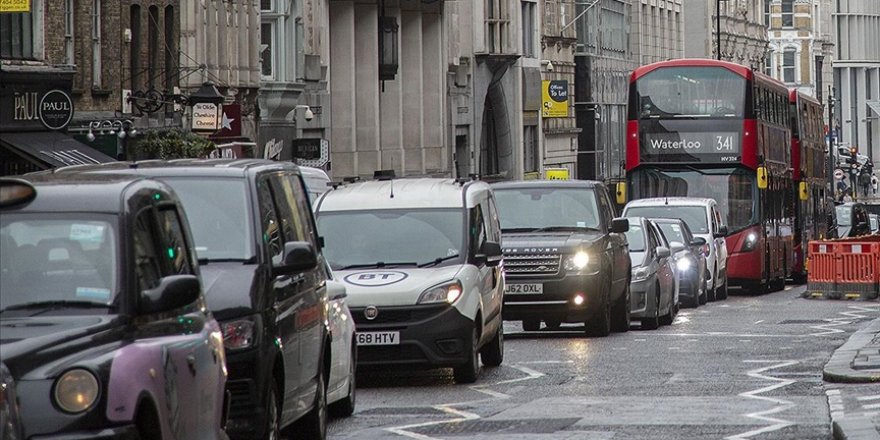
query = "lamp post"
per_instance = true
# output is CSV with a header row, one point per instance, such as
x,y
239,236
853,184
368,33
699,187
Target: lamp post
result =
x,y
718,29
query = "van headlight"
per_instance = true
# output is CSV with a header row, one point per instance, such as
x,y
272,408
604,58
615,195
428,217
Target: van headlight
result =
x,y
577,261
684,264
10,421
750,242
238,334
640,274
447,292
76,390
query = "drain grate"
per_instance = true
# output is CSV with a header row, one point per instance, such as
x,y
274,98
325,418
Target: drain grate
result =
x,y
804,321
531,426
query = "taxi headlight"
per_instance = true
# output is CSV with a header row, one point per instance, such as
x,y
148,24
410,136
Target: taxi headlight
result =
x,y
76,390
640,274
577,261
447,292
683,264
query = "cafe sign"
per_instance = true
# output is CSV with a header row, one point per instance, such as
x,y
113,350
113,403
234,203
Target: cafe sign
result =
x,y
28,109
205,117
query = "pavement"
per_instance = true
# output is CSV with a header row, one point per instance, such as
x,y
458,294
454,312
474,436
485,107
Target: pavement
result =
x,y
856,362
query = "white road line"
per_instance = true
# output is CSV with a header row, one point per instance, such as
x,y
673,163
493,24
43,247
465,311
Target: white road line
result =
x,y
871,406
781,404
860,311
827,328
864,398
835,403
462,416
759,321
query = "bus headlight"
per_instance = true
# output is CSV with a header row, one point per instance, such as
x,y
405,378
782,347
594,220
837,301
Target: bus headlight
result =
x,y
750,242
577,262
683,264
76,390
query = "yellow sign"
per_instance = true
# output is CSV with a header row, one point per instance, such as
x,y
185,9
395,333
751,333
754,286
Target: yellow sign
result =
x,y
15,5
554,99
556,173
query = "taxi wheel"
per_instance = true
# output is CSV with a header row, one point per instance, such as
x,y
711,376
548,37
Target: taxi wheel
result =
x,y
273,420
468,371
531,324
492,354
599,323
345,407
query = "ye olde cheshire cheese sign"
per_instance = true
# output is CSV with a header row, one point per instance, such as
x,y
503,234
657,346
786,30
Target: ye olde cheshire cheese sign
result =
x,y
204,117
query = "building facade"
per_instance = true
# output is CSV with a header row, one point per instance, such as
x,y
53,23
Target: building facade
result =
x,y
857,75
603,63
743,35
800,45
657,31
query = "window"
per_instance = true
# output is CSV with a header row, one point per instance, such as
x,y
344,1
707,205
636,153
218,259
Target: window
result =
x,y
276,34
176,247
497,25
152,46
767,13
478,230
267,35
292,210
147,268
531,153
17,34
271,232
787,13
528,29
170,50
788,66
768,64
68,32
96,44
134,62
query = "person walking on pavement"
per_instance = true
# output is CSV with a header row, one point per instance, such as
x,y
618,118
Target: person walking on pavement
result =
x,y
874,182
865,181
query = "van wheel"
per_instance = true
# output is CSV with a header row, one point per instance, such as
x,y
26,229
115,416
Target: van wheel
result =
x,y
531,324
345,407
599,323
492,354
273,417
314,424
468,371
621,311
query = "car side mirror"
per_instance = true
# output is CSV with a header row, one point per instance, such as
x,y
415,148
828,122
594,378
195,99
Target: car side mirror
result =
x,y
620,225
698,241
490,254
336,290
663,251
676,246
721,232
298,256
173,292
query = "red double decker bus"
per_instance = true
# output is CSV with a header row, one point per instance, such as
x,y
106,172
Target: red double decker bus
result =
x,y
810,174
714,129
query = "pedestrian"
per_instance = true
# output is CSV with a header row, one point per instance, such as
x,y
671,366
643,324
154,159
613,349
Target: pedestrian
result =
x,y
847,196
865,181
874,183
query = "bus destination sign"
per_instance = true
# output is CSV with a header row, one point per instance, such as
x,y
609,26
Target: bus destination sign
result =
x,y
677,146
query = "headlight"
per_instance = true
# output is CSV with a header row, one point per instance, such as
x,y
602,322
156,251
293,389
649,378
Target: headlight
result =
x,y
76,390
10,423
640,274
238,334
448,293
750,242
683,264
577,262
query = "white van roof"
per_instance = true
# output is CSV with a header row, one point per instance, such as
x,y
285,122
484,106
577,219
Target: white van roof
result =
x,y
674,201
408,193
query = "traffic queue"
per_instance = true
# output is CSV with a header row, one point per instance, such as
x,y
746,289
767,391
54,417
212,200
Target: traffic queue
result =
x,y
237,298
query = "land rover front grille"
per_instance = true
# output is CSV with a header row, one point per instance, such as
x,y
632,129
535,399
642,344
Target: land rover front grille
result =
x,y
532,264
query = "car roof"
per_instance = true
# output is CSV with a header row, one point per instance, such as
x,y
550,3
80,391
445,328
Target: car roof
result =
x,y
189,167
86,193
675,201
408,193
572,183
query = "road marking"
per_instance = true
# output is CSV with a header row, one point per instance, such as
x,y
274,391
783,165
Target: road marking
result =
x,y
759,321
871,406
460,415
547,362
827,328
835,403
864,398
860,310
781,404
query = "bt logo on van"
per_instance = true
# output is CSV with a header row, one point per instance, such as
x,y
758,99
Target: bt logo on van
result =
x,y
376,279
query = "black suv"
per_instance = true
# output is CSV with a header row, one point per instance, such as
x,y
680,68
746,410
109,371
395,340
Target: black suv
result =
x,y
256,240
103,327
565,255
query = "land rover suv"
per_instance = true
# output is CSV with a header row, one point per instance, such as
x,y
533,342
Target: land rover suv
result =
x,y
565,255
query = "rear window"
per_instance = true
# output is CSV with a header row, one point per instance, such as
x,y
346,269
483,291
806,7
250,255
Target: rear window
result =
x,y
635,236
695,216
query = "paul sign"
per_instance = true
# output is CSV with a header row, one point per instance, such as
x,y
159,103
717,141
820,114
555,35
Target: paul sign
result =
x,y
55,109
205,117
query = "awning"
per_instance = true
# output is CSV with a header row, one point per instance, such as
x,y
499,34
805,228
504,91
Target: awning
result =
x,y
53,149
875,106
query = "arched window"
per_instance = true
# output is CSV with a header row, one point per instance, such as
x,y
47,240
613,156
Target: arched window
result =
x,y
787,13
789,58
135,47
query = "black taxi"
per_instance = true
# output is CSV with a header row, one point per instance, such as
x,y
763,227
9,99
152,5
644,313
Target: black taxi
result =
x,y
104,331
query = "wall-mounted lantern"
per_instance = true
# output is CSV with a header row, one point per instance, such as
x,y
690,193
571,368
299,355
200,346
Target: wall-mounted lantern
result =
x,y
388,51
206,108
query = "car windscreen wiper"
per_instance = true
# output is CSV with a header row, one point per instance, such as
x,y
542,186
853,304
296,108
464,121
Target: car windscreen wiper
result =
x,y
517,229
564,229
378,264
438,260
56,304
250,260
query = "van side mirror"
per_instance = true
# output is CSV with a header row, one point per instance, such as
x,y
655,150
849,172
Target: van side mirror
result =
x,y
173,292
620,225
721,232
663,251
298,256
336,290
490,254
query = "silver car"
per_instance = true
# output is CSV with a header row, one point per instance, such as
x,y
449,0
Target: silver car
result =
x,y
654,300
689,255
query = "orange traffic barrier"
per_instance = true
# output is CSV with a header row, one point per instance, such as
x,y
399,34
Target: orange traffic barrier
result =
x,y
844,268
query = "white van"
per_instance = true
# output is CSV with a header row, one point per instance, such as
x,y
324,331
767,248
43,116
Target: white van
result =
x,y
316,181
704,220
421,261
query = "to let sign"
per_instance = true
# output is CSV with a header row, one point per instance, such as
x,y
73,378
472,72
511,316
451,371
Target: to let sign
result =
x,y
204,117
554,99
15,6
